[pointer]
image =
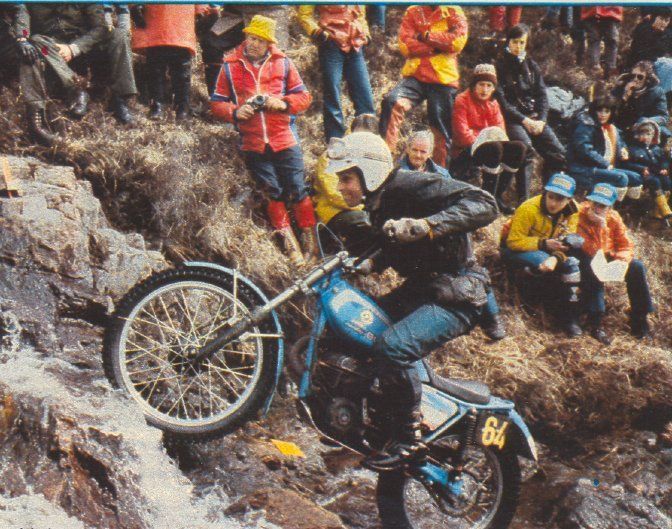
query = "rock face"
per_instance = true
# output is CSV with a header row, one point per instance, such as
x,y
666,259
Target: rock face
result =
x,y
62,263
66,438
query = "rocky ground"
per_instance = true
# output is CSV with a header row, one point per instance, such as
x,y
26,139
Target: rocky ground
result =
x,y
76,454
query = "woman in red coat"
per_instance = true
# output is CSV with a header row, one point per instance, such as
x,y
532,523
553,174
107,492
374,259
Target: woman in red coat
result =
x,y
166,34
481,148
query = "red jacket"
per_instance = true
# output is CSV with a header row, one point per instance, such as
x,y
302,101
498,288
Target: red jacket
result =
x,y
612,239
612,12
471,116
345,23
239,80
168,25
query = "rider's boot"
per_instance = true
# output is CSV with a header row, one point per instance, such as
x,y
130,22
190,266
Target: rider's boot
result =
x,y
304,214
309,245
291,246
406,447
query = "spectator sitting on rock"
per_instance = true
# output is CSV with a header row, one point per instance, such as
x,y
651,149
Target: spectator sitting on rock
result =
x,y
418,155
596,150
260,90
640,95
431,38
340,32
350,224
166,34
521,93
648,159
481,148
70,37
603,229
535,240
18,53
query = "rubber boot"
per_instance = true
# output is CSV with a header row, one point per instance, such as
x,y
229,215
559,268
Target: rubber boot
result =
x,y
79,104
502,184
571,278
38,127
181,78
304,213
663,210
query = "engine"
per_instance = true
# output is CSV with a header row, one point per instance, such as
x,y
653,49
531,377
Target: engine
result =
x,y
340,385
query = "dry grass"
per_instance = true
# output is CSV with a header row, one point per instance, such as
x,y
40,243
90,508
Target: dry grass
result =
x,y
186,189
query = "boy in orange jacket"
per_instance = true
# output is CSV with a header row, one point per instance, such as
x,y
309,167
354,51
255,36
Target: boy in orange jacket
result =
x,y
603,229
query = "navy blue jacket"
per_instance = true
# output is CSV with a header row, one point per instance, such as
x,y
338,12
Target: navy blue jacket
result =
x,y
587,147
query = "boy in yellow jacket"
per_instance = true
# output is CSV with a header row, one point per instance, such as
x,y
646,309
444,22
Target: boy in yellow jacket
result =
x,y
536,239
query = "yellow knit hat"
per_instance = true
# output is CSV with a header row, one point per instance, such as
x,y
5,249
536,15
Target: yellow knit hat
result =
x,y
262,27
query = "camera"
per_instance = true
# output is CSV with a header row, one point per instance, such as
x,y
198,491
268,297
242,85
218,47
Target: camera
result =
x,y
574,241
257,102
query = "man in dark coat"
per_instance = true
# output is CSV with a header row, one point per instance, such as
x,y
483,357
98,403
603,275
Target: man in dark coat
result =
x,y
521,93
69,37
424,221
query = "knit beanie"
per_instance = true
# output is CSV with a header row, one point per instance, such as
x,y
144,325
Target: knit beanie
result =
x,y
484,72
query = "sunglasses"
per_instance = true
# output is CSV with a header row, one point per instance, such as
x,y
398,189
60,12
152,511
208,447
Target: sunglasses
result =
x,y
639,76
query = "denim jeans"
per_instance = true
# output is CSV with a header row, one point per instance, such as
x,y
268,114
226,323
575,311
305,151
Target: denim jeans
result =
x,y
375,13
618,177
280,174
336,65
592,289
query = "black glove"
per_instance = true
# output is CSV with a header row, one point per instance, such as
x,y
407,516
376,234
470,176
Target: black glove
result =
x,y
321,36
27,51
138,16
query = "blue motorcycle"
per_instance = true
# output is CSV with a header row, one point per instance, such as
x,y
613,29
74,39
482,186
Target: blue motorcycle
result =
x,y
200,349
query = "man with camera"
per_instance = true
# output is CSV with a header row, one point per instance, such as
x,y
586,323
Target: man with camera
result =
x,y
259,90
521,93
541,239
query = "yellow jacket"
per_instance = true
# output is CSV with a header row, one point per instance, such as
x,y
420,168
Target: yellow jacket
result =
x,y
530,225
328,201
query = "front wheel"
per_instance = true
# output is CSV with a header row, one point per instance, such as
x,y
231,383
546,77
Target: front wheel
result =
x,y
488,499
157,329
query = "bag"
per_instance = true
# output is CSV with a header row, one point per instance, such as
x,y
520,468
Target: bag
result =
x,y
470,286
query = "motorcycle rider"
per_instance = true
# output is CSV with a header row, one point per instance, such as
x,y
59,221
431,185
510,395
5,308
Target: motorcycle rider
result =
x,y
422,222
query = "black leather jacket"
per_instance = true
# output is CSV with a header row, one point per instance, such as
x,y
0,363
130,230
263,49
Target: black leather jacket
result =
x,y
521,90
453,210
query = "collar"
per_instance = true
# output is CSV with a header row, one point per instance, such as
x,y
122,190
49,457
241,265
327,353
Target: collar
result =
x,y
520,58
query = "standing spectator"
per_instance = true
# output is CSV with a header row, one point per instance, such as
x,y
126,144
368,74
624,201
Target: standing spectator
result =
x,y
603,229
535,240
418,155
502,18
597,149
522,95
341,32
558,16
648,159
602,24
650,38
350,224
166,34
375,15
260,91
431,38
640,95
481,146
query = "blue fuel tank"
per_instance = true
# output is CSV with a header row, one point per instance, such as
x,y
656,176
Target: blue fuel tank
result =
x,y
351,314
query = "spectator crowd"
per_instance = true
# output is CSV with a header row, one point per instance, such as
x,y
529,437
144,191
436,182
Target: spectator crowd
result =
x,y
491,130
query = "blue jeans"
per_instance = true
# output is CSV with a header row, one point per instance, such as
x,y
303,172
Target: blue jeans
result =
x,y
335,65
587,177
280,174
592,289
375,13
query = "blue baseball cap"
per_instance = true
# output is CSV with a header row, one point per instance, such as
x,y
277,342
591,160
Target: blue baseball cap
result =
x,y
604,194
562,184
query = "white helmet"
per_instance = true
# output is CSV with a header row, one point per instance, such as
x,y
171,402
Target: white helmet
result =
x,y
366,151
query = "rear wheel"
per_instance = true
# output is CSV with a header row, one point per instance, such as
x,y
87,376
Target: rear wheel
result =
x,y
157,329
490,488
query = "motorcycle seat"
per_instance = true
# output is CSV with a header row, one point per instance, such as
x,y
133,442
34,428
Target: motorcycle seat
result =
x,y
466,390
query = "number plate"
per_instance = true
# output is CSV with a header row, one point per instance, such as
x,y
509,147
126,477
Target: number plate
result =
x,y
493,431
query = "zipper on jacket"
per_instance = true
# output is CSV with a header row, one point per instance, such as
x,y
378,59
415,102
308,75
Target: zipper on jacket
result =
x,y
258,87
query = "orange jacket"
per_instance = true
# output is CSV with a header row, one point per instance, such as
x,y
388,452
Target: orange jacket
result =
x,y
168,25
612,12
471,116
431,38
612,239
346,24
